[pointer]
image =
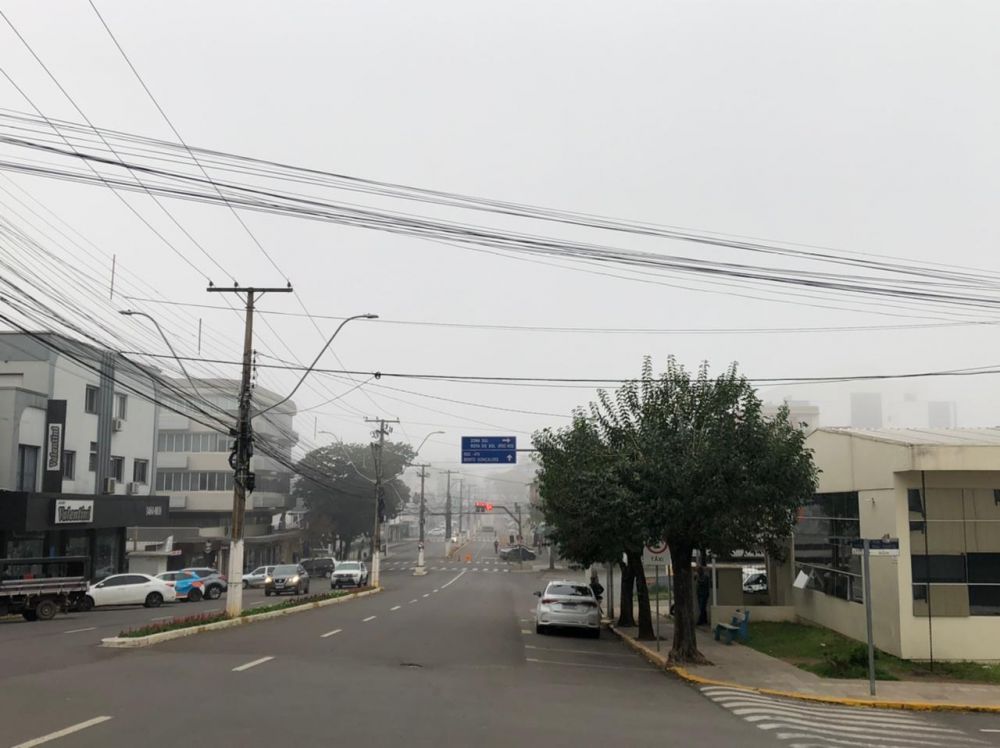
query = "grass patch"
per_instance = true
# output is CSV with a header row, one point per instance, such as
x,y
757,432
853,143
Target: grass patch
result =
x,y
186,622
831,655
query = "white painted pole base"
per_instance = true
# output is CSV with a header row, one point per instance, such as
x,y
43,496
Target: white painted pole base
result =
x,y
234,593
376,576
420,570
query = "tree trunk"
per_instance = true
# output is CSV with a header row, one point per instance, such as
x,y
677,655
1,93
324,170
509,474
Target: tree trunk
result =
x,y
642,590
626,617
685,645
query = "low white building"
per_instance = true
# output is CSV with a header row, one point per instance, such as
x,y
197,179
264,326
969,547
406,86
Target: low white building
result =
x,y
938,492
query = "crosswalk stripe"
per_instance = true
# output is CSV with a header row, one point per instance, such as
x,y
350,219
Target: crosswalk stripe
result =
x,y
809,725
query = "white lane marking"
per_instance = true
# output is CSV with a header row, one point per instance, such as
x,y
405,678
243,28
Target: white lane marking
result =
x,y
328,634
457,577
427,595
413,601
591,667
63,733
369,618
436,591
987,729
395,607
252,663
77,631
526,631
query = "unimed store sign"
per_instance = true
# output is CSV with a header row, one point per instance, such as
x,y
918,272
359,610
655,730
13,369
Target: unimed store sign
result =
x,y
74,511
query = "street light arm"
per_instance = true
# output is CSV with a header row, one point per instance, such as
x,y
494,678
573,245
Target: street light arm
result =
x,y
151,318
425,441
315,361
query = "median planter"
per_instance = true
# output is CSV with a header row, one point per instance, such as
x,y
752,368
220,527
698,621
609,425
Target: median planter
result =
x,y
180,627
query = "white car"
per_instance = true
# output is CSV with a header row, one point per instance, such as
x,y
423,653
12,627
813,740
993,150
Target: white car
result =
x,y
131,589
349,573
569,605
256,577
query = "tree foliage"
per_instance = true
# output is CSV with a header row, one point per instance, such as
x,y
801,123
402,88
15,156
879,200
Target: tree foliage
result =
x,y
687,458
338,488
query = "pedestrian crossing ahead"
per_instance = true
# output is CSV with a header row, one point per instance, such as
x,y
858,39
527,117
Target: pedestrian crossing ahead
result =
x,y
812,725
487,566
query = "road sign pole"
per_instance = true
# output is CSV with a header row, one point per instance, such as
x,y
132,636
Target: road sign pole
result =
x,y
865,570
656,571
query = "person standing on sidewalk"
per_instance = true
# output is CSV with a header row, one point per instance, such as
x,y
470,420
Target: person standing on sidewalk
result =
x,y
704,592
596,586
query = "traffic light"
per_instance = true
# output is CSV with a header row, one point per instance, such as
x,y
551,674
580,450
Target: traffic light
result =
x,y
482,507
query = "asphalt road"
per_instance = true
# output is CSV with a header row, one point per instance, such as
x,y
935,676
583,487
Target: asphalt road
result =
x,y
446,659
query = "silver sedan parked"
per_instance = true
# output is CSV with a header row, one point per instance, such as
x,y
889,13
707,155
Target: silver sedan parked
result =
x,y
256,577
568,605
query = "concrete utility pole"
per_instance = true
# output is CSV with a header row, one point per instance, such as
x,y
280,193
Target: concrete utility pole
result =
x,y
239,460
447,512
461,507
376,553
420,570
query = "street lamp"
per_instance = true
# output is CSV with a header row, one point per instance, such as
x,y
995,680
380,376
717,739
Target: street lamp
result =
x,y
151,318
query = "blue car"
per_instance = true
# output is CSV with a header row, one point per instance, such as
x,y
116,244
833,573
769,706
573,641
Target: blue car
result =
x,y
189,587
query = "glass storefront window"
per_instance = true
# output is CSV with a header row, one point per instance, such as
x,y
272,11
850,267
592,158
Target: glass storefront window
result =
x,y
108,553
25,545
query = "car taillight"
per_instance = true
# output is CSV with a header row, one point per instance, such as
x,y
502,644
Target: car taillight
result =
x,y
197,584
548,601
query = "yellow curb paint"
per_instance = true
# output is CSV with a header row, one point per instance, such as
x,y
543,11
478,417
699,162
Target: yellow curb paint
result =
x,y
912,706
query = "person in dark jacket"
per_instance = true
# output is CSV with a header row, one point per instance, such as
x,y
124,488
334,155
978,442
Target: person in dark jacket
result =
x,y
704,593
596,586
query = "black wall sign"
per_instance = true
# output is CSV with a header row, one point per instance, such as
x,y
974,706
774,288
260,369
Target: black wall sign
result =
x,y
55,442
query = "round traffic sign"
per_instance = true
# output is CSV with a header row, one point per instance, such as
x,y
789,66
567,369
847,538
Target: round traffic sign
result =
x,y
657,547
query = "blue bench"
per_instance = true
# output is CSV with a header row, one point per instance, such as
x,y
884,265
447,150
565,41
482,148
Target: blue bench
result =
x,y
739,626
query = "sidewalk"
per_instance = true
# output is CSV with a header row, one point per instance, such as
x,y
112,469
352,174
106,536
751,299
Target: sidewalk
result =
x,y
739,665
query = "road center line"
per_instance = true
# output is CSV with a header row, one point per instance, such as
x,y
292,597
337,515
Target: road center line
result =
x,y
77,631
63,733
413,601
395,607
437,590
457,577
253,663
328,634
369,618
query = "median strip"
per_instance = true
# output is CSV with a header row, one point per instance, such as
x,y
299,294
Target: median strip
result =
x,y
180,627
63,733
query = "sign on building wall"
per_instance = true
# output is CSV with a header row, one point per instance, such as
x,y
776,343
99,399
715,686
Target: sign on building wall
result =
x,y
74,511
55,443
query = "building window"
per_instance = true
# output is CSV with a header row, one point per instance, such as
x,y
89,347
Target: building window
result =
x,y
121,406
140,471
827,524
90,399
69,465
27,467
955,551
92,462
117,470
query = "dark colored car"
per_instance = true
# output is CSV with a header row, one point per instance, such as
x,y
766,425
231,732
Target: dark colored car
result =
x,y
318,567
517,553
290,578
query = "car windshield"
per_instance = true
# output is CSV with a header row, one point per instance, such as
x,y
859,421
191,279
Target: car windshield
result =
x,y
286,569
348,566
569,590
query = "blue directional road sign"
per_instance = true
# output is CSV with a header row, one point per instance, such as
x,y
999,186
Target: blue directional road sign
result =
x,y
489,450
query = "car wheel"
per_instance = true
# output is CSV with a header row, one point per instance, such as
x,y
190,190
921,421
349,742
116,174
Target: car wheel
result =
x,y
194,595
87,603
246,584
267,593
214,592
539,629
153,600
46,610
29,615
595,634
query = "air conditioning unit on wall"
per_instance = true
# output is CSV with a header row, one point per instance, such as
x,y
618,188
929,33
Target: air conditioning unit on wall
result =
x,y
110,484
118,424
133,489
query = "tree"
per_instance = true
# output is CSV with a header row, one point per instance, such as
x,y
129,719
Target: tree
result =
x,y
713,471
337,486
593,519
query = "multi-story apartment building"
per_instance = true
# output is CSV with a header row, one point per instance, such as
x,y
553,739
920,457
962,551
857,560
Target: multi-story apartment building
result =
x,y
194,471
103,405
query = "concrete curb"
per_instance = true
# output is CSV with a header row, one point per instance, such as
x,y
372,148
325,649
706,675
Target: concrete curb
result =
x,y
137,642
912,706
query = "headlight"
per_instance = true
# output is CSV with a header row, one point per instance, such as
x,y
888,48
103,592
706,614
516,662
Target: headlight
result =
x,y
268,580
294,579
